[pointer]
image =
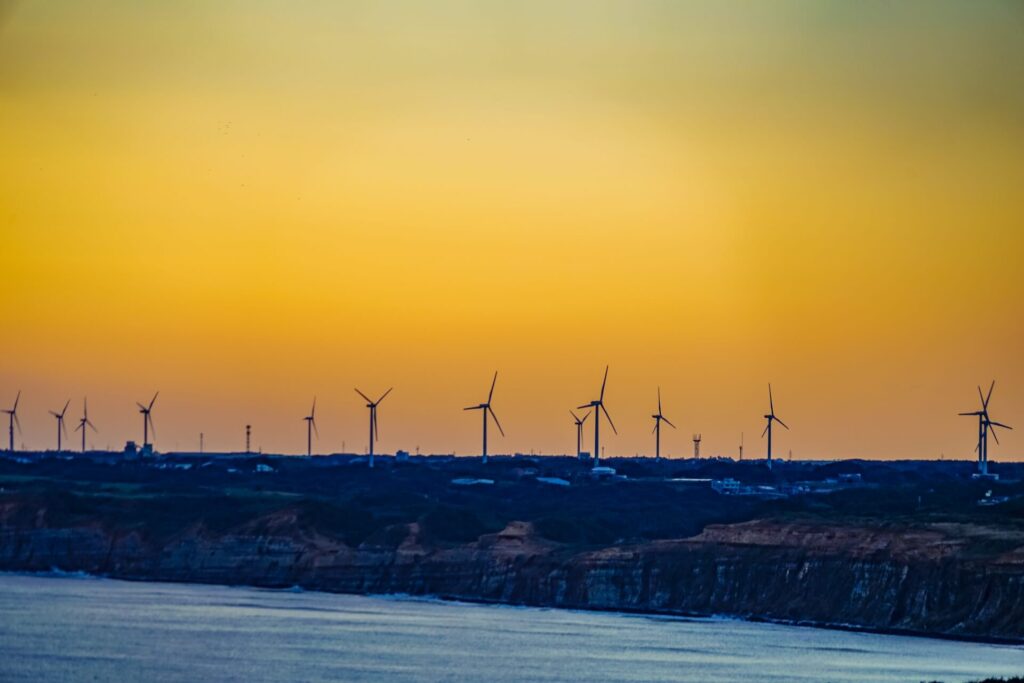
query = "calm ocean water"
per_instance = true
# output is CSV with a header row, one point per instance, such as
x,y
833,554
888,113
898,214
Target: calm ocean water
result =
x,y
83,629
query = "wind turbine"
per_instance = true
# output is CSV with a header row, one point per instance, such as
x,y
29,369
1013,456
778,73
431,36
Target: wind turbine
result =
x,y
60,422
83,422
13,414
372,405
486,408
985,424
768,429
147,419
579,431
311,428
658,418
598,406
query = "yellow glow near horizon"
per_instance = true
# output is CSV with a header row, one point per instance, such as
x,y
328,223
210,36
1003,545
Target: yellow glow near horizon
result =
x,y
246,204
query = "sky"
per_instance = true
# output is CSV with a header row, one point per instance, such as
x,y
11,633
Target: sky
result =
x,y
244,205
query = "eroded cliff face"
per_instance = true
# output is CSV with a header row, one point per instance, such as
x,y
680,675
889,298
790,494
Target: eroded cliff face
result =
x,y
945,579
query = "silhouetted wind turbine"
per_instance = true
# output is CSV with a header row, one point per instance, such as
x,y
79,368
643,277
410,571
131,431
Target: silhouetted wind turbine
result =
x,y
768,429
658,418
311,428
13,414
598,406
985,424
372,405
60,422
83,422
147,419
579,431
486,408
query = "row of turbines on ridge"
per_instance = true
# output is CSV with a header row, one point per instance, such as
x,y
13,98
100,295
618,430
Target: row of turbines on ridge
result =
x,y
986,425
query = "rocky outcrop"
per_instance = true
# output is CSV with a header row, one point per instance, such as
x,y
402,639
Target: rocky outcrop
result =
x,y
948,579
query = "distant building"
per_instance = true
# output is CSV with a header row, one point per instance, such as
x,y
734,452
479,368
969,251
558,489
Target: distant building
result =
x,y
727,486
472,482
131,450
401,456
603,472
585,456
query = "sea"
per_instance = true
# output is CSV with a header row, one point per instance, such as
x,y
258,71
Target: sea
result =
x,y
79,628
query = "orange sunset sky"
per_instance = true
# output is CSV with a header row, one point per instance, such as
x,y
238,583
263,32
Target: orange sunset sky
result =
x,y
246,204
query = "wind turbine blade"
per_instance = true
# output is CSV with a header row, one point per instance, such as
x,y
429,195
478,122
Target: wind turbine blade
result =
x,y
491,411
574,416
65,408
80,426
989,397
141,407
587,415
603,383
65,429
585,405
154,400
85,408
364,396
976,412
771,403
765,430
376,430
659,400
16,399
384,395
655,427
609,418
669,423
312,413
53,413
93,427
473,408
780,421
1000,424
315,431
152,427
493,382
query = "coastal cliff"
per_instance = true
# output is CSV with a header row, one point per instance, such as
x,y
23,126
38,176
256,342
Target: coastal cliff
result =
x,y
951,579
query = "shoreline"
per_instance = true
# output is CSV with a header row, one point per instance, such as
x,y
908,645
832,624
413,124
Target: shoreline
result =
x,y
57,573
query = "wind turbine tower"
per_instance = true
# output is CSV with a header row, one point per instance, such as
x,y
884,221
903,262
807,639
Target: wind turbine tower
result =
x,y
311,428
60,423
696,445
770,417
84,422
372,405
579,431
741,445
248,439
658,419
486,408
598,406
13,415
985,425
147,419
